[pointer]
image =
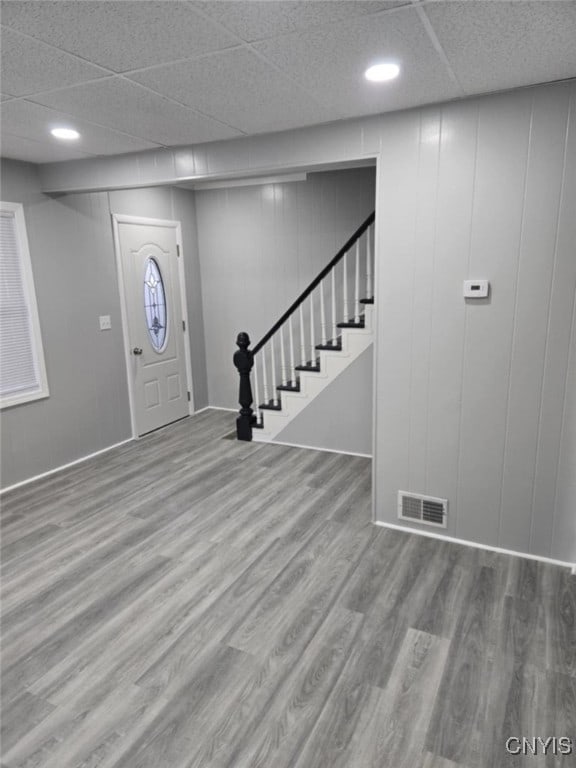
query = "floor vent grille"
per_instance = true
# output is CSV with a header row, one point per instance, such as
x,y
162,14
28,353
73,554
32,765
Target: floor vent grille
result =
x,y
422,509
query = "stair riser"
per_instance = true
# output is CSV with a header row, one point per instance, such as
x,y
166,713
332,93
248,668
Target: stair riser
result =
x,y
332,364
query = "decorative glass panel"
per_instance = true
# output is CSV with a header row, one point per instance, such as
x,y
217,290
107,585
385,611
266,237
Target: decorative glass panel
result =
x,y
155,304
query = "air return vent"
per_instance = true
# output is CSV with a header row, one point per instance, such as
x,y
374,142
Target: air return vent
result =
x,y
422,509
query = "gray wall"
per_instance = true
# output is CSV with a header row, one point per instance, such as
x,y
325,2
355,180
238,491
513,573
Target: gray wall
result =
x,y
75,278
564,529
74,266
470,398
471,395
260,246
340,418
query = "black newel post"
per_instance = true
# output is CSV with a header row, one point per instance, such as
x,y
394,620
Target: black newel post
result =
x,y
243,360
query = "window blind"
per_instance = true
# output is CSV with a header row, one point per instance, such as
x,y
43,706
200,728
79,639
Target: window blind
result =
x,y
19,370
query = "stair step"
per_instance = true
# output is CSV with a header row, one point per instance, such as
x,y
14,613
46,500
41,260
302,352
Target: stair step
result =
x,y
335,346
353,324
310,366
292,386
367,301
269,406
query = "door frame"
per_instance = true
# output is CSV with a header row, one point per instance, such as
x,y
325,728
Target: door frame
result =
x,y
121,218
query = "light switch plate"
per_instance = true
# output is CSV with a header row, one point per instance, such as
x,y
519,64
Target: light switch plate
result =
x,y
105,323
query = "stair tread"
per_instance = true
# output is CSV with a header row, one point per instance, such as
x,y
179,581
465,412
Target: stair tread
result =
x,y
336,347
290,387
269,406
352,324
367,301
309,367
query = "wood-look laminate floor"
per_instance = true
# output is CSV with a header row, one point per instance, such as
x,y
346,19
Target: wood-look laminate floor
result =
x,y
187,601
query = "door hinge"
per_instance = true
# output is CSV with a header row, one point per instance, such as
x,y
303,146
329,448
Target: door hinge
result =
x,y
183,325
177,250
189,398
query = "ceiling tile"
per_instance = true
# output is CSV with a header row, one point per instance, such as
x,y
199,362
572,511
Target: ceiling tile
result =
x,y
188,52
330,63
29,66
19,148
501,45
238,88
33,121
258,19
119,35
125,106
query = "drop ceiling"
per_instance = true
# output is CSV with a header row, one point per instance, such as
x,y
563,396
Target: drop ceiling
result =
x,y
131,76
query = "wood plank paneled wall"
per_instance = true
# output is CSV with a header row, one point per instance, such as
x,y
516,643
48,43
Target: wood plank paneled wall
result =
x,y
470,398
261,246
471,391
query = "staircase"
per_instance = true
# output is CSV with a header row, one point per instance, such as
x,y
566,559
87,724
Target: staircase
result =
x,y
328,326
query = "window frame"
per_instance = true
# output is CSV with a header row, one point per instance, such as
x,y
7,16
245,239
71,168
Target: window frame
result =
x,y
7,401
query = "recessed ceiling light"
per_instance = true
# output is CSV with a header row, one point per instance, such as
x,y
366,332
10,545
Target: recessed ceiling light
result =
x,y
379,73
68,134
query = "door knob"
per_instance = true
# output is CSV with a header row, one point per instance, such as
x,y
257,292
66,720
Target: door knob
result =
x,y
137,351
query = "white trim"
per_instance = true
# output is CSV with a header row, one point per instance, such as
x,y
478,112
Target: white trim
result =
x,y
124,218
206,408
65,466
116,220
218,408
375,331
121,218
30,293
253,181
476,545
360,161
312,448
215,408
184,303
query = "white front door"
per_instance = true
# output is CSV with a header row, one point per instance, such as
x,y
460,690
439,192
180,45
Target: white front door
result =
x,y
154,324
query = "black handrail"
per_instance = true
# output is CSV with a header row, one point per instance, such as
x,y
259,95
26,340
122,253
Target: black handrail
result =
x,y
317,280
244,357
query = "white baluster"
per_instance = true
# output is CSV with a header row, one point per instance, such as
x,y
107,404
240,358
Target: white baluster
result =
x,y
292,366
322,314
345,288
312,332
368,264
274,390
265,376
334,325
283,358
302,344
257,391
357,283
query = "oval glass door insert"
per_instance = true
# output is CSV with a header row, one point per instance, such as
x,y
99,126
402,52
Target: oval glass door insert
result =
x,y
155,304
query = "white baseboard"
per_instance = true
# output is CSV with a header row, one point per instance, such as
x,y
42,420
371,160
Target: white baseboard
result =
x,y
289,445
218,408
65,466
314,448
476,545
